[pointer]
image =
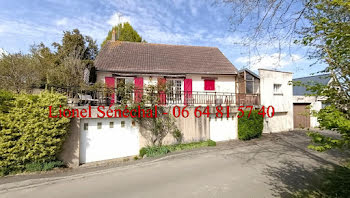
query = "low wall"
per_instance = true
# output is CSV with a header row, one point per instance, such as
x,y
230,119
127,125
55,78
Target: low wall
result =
x,y
193,129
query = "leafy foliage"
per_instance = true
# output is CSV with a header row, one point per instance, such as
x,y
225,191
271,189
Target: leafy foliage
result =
x,y
126,33
43,166
27,134
329,34
162,150
331,118
18,72
70,65
156,128
252,127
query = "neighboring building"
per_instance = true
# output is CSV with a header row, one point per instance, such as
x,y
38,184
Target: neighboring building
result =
x,y
303,104
248,87
276,91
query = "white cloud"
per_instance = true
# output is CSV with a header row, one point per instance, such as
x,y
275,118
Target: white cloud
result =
x,y
62,22
269,61
229,40
117,18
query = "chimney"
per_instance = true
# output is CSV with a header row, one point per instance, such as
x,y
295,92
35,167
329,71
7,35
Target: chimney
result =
x,y
113,34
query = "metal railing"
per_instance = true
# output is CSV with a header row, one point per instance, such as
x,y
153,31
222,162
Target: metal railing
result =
x,y
105,96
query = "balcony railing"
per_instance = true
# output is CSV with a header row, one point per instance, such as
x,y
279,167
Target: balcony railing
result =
x,y
114,96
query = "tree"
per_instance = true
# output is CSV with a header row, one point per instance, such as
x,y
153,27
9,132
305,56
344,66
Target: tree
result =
x,y
329,34
126,33
66,66
18,72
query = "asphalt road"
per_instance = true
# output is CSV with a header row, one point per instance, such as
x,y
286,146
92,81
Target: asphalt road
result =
x,y
273,166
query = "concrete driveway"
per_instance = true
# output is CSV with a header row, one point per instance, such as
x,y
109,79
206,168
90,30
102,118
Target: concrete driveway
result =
x,y
272,166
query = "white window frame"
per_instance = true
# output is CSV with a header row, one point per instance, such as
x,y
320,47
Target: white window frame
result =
x,y
277,89
176,90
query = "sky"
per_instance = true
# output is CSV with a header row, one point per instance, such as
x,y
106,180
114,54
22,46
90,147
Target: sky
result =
x,y
186,22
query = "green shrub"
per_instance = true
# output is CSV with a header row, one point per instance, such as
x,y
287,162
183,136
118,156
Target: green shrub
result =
x,y
34,166
51,165
42,166
5,100
252,127
27,134
211,143
162,150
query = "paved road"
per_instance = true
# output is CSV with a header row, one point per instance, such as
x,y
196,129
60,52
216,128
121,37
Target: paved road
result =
x,y
272,166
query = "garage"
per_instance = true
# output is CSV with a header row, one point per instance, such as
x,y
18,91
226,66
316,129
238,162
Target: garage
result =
x,y
301,115
107,138
223,129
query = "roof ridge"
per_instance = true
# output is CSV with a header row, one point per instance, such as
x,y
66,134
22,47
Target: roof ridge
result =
x,y
313,76
163,44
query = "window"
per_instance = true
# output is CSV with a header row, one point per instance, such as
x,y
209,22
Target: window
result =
x,y
174,92
277,89
99,125
111,124
86,126
122,91
122,123
249,77
209,85
249,88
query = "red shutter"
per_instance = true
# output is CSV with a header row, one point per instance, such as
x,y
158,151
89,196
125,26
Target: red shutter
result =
x,y
110,83
188,91
209,85
138,92
161,88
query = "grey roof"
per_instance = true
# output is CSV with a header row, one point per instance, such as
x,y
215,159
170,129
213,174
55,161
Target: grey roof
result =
x,y
249,71
133,57
311,80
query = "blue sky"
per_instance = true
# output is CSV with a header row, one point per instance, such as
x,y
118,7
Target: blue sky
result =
x,y
187,22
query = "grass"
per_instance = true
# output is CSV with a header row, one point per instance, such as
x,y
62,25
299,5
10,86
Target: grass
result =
x,y
162,150
33,167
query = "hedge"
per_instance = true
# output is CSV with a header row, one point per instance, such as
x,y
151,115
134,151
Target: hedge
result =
x,y
27,134
252,127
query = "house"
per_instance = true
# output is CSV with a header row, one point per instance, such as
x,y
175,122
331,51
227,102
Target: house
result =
x,y
199,76
303,103
202,71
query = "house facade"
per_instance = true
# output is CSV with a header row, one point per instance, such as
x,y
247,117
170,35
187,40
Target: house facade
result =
x,y
198,71
276,91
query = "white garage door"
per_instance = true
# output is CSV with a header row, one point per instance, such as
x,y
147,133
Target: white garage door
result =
x,y
107,138
222,129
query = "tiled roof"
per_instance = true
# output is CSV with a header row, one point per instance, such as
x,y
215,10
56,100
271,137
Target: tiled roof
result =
x,y
311,80
132,57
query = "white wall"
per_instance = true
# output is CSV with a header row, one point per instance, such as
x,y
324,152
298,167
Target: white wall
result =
x,y
283,103
223,83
